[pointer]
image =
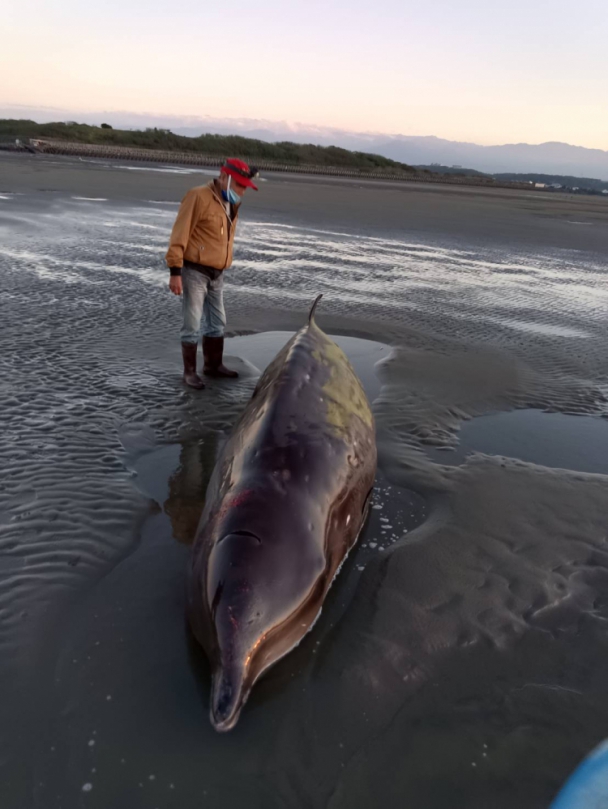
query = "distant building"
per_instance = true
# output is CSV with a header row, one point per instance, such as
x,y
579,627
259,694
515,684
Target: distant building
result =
x,y
540,185
556,185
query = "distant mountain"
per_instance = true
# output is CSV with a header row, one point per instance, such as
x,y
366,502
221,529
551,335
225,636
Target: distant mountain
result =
x,y
545,158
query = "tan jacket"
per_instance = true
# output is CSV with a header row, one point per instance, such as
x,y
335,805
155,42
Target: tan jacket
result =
x,y
202,232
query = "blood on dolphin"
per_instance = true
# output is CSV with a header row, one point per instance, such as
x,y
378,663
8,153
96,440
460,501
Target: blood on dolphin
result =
x,y
286,502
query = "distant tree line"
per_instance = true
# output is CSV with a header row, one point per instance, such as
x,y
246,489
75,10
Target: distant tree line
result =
x,y
565,180
457,171
568,183
221,145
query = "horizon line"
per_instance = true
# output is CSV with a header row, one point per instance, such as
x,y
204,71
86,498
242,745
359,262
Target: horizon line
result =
x,y
297,127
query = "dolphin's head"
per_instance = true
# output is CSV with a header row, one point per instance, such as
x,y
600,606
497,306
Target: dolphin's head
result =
x,y
258,599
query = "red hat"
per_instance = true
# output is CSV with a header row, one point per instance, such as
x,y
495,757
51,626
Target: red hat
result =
x,y
240,172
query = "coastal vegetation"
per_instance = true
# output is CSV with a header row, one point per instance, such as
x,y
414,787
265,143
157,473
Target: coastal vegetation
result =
x,y
566,181
286,152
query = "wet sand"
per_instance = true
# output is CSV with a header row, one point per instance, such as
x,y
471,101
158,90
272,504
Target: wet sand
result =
x,y
461,659
456,213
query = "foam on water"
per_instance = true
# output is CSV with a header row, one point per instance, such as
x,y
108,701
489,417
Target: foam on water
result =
x,y
381,274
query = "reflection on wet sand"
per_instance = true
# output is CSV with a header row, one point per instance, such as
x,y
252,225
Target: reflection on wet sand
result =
x,y
187,487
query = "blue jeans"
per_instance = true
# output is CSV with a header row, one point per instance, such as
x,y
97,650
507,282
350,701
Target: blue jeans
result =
x,y
202,298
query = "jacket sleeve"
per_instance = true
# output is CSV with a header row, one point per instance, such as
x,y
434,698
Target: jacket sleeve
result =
x,y
180,235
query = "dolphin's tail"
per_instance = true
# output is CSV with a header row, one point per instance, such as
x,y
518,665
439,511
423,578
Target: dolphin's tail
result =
x,y
227,697
311,314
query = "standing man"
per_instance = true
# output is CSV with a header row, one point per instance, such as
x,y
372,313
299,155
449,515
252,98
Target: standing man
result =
x,y
199,251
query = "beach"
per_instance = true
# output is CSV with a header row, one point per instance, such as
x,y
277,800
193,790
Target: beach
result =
x,y
461,659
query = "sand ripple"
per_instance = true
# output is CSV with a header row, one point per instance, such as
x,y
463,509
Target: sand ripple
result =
x,y
479,636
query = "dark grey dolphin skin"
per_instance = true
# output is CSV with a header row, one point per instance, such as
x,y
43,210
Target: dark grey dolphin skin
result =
x,y
285,504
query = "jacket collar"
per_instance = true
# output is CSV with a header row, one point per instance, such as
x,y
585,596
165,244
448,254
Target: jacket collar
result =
x,y
218,196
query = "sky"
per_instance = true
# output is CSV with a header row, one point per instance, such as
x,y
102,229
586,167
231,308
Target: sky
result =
x,y
504,71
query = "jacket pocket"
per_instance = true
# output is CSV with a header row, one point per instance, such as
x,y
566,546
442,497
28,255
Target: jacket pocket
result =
x,y
219,226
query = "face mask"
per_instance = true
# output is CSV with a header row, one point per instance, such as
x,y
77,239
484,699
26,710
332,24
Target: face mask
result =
x,y
231,196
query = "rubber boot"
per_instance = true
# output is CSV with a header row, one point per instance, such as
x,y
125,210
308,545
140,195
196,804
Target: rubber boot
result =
x,y
213,351
191,378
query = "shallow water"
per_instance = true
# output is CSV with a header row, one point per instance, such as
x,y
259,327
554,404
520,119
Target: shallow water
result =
x,y
261,349
549,439
461,658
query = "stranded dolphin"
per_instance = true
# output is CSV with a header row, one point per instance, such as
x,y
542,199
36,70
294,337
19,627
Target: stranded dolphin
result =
x,y
286,502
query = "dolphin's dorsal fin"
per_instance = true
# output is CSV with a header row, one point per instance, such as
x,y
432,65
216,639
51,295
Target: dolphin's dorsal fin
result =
x,y
311,314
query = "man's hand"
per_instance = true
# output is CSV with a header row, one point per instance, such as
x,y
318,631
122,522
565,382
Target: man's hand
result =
x,y
175,284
